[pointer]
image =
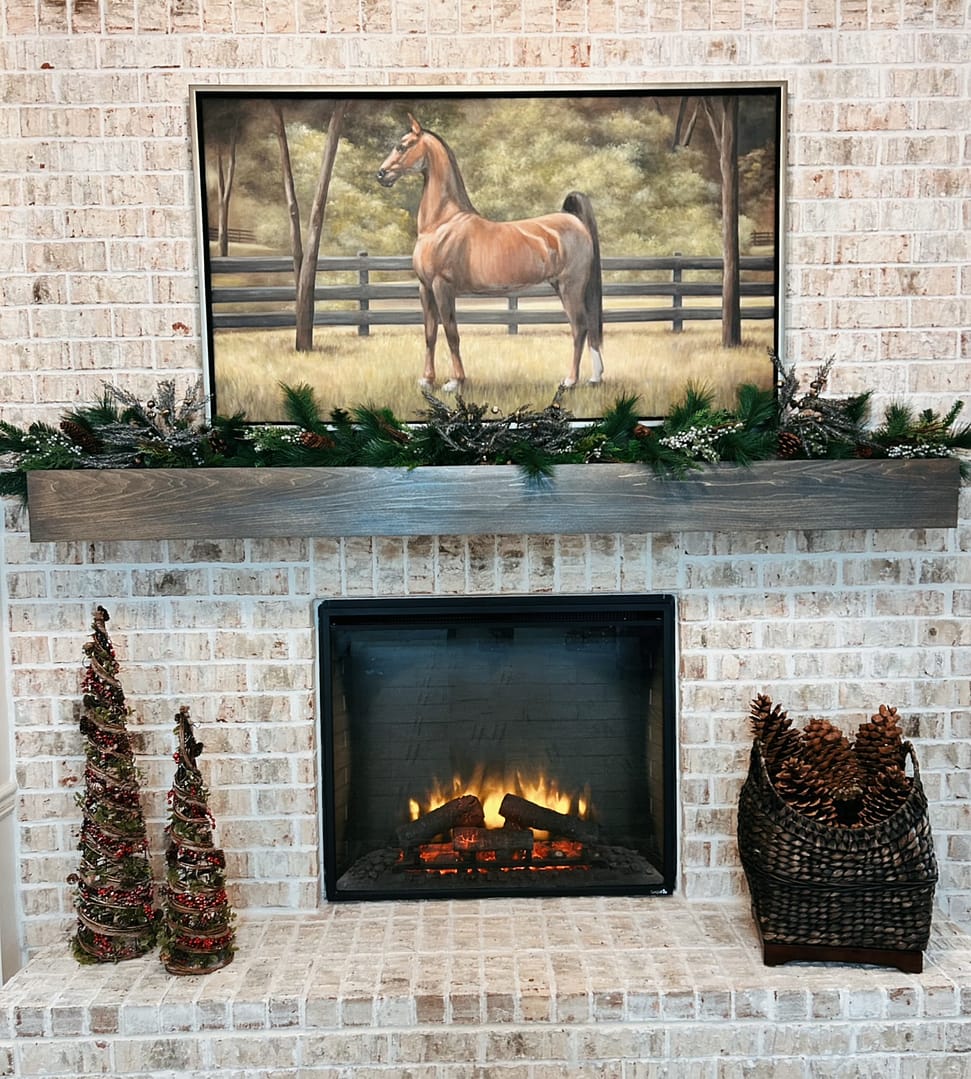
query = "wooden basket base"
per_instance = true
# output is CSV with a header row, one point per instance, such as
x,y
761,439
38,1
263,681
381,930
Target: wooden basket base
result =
x,y
773,955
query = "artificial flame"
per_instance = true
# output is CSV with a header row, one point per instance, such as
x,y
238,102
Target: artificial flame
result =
x,y
490,788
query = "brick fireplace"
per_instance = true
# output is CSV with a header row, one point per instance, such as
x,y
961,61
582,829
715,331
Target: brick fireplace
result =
x,y
827,622
100,282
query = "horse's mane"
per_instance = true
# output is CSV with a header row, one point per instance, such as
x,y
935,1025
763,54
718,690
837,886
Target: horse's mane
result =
x,y
460,190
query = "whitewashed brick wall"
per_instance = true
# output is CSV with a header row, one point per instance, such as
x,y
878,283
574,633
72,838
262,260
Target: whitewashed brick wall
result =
x,y
98,282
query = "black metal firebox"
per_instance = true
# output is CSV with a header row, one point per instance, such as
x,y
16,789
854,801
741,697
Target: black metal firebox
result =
x,y
499,745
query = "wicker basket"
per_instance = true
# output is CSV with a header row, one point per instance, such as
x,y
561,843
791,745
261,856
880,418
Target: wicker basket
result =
x,y
827,893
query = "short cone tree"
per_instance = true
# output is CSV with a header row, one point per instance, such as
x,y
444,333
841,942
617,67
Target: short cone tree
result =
x,y
197,934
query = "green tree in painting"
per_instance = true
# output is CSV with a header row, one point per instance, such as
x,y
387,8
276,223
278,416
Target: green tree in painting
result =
x,y
305,253
222,142
722,113
519,157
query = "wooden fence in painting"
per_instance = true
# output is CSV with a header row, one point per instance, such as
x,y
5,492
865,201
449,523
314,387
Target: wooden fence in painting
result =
x,y
375,290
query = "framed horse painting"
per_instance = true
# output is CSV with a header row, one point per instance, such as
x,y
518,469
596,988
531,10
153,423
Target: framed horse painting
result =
x,y
383,245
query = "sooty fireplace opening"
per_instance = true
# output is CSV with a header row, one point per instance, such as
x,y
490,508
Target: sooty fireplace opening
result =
x,y
499,745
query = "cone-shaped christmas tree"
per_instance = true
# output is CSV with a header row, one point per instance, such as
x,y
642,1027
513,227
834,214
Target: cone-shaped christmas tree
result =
x,y
114,900
197,932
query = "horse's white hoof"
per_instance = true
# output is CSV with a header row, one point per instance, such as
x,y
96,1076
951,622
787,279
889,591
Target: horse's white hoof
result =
x,y
452,386
426,384
594,381
568,383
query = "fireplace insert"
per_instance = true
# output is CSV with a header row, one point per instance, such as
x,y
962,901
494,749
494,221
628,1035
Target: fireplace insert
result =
x,y
498,745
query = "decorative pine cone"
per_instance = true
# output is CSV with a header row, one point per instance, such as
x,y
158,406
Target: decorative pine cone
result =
x,y
81,436
799,787
886,794
828,752
772,727
789,445
879,743
314,441
395,433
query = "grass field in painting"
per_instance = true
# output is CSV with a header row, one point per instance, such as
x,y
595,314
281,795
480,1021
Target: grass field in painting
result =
x,y
504,371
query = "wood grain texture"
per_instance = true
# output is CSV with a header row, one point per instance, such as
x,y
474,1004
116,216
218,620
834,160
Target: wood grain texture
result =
x,y
486,499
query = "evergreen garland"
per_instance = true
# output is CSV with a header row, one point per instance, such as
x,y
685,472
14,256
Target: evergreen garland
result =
x,y
121,432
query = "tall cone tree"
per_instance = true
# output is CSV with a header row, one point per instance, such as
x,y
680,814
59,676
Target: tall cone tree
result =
x,y
114,897
197,932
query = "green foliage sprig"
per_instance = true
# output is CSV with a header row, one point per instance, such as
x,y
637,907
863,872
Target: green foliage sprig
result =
x,y
164,432
812,425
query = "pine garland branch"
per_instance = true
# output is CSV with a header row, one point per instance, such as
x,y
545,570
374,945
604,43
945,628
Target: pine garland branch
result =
x,y
927,434
821,426
301,407
476,434
120,431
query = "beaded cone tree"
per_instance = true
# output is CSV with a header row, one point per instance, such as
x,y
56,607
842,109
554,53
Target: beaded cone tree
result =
x,y
197,933
115,897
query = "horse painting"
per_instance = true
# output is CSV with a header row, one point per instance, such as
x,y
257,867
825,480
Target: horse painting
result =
x,y
458,251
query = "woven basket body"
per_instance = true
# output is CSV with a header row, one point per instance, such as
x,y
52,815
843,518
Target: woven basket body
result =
x,y
819,885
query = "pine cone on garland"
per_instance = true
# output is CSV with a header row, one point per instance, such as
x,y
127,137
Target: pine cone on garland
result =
x,y
772,727
81,436
314,441
799,787
789,445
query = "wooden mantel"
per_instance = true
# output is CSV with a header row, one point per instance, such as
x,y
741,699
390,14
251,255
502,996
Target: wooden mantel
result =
x,y
128,504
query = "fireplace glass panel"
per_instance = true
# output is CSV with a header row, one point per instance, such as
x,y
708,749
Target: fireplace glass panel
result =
x,y
498,746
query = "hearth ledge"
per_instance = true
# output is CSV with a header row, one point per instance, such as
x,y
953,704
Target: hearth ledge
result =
x,y
453,989
132,504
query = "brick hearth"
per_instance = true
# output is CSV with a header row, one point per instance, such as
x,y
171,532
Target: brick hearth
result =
x,y
521,989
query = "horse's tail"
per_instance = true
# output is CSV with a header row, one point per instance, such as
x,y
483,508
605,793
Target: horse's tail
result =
x,y
580,206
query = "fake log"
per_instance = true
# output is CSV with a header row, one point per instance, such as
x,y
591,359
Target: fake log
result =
x,y
497,839
466,810
525,814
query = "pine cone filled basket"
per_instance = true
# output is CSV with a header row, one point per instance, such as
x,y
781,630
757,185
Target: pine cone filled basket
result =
x,y
829,893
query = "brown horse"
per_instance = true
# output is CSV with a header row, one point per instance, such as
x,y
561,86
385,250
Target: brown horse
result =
x,y
459,251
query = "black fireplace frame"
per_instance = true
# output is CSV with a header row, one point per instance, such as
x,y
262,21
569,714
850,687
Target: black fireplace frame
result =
x,y
658,609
